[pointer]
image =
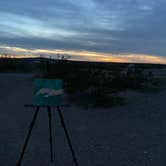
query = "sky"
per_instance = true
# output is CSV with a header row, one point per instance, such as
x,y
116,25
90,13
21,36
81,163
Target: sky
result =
x,y
88,30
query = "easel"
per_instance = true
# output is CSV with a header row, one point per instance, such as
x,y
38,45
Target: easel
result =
x,y
50,133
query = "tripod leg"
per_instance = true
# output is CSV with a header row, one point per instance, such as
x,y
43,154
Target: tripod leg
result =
x,y
67,136
28,136
50,130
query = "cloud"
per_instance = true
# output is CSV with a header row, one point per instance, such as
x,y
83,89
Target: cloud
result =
x,y
24,26
125,27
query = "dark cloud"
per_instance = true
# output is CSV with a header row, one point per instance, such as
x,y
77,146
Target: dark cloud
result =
x,y
114,26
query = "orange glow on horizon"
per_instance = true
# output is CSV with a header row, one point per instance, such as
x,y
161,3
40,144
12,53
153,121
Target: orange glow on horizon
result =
x,y
83,55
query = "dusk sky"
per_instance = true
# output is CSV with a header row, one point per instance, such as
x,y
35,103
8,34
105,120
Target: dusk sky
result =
x,y
90,30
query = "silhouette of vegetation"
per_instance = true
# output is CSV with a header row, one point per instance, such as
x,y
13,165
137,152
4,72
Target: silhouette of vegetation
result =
x,y
88,83
97,84
8,64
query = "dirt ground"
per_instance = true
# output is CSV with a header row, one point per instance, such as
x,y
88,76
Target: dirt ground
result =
x,y
130,135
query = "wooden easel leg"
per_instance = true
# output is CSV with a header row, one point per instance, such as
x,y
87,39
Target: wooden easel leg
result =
x,y
67,136
50,131
28,135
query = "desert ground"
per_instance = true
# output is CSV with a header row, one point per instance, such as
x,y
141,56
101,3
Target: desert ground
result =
x,y
130,135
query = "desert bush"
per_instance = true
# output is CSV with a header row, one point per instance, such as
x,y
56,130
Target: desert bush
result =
x,y
94,85
15,65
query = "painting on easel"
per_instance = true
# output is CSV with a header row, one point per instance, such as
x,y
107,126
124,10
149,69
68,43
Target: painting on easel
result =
x,y
47,92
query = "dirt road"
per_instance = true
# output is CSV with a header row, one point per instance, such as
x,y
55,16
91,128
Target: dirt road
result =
x,y
129,135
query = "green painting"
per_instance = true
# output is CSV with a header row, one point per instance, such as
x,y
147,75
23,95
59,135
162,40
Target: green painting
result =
x,y
47,92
